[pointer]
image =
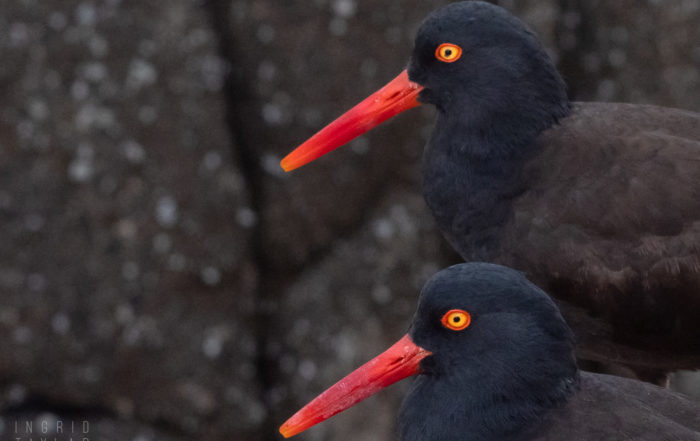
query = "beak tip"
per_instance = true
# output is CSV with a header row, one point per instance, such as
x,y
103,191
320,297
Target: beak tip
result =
x,y
285,431
286,166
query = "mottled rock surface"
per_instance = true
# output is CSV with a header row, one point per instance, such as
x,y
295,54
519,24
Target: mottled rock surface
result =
x,y
162,276
630,51
125,273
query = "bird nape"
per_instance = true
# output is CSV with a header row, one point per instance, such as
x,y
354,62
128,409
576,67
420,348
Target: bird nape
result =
x,y
596,203
493,360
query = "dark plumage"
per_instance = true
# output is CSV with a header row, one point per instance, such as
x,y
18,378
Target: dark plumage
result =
x,y
599,204
510,375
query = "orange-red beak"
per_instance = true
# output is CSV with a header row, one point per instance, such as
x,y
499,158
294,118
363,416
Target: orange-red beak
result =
x,y
397,96
396,363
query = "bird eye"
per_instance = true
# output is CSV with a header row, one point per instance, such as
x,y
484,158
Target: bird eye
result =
x,y
456,319
448,52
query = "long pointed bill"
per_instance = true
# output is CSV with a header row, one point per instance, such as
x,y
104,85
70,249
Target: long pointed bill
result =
x,y
397,96
396,363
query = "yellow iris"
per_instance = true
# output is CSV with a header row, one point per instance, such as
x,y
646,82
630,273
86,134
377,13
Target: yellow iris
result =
x,y
456,319
448,52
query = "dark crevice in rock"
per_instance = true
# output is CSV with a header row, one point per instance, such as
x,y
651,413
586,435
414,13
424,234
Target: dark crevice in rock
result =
x,y
238,95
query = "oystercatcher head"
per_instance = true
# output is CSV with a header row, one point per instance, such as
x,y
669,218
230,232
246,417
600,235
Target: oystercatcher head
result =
x,y
490,352
480,66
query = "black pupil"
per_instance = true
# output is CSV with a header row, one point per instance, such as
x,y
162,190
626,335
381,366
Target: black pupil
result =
x,y
456,319
448,52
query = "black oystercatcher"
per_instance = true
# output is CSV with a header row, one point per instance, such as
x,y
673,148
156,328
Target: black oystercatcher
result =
x,y
494,361
598,203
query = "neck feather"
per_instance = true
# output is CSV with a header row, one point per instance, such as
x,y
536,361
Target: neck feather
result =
x,y
471,173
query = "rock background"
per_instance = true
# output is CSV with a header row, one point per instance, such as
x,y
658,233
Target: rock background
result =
x,y
161,277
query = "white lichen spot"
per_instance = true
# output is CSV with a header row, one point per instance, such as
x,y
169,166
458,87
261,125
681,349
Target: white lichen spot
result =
x,y
345,345
210,275
196,38
126,229
214,341
246,217
81,168
37,282
617,58
22,335
16,394
213,70
383,229
212,160
134,152
34,222
90,116
143,331
94,71
26,129
307,369
256,412
85,14
607,90
57,21
266,33
403,220
19,34
271,165
148,115
272,114
267,70
360,145
166,211
60,323
38,110
344,8
381,294
124,314
79,90
141,74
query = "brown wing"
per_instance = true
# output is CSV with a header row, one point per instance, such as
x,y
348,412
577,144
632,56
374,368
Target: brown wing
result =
x,y
611,220
614,408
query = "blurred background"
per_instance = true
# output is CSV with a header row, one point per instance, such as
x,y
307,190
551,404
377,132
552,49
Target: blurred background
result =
x,y
161,278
